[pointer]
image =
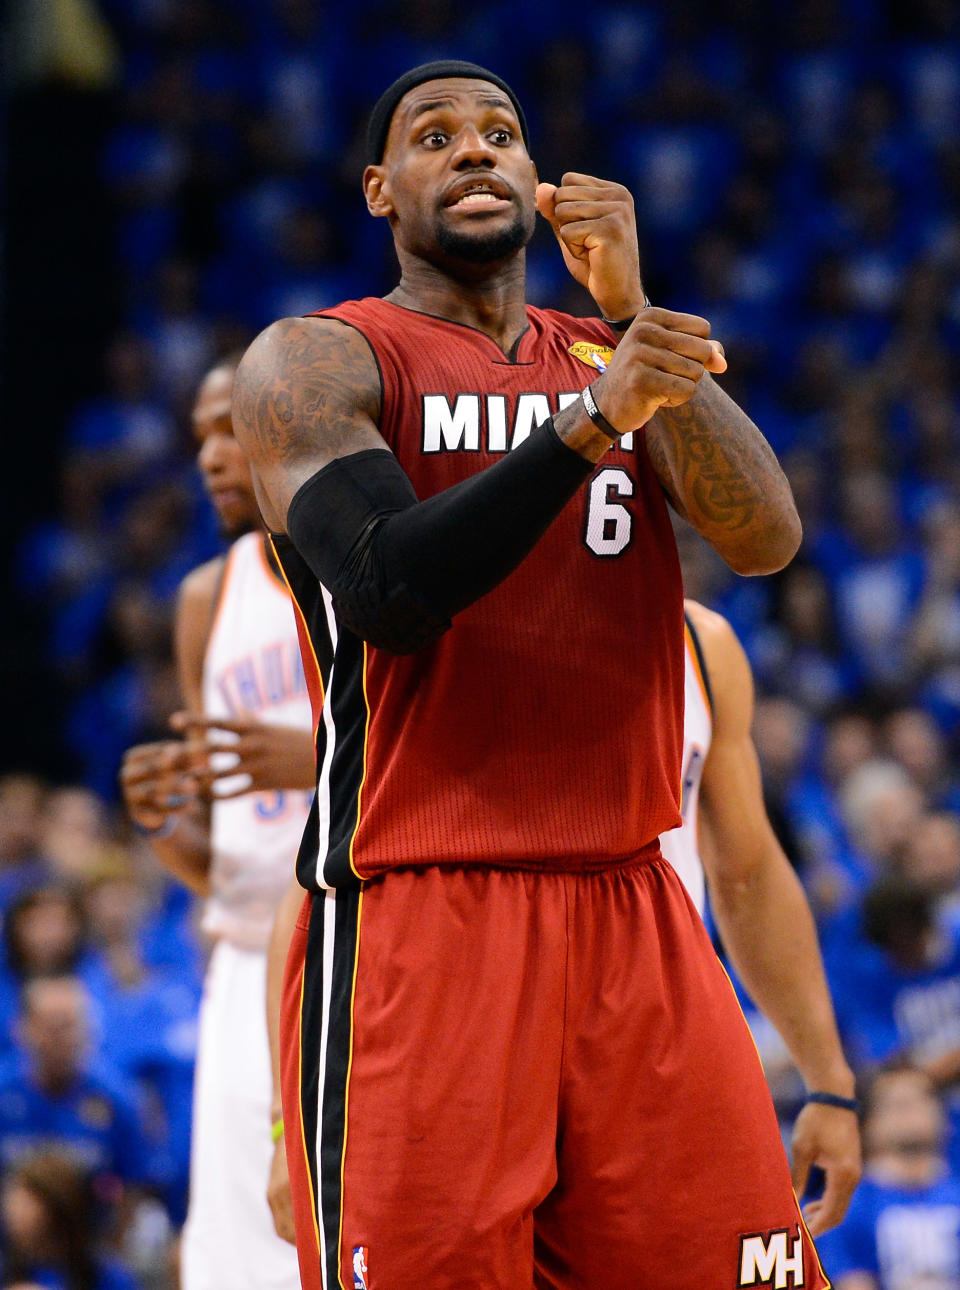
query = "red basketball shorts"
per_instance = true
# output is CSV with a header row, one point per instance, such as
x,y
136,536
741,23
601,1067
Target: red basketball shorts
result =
x,y
495,1080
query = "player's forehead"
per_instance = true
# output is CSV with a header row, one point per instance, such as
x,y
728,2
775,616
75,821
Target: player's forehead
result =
x,y
214,396
455,93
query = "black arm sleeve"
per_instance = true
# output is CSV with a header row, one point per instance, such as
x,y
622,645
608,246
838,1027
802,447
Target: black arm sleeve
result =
x,y
399,569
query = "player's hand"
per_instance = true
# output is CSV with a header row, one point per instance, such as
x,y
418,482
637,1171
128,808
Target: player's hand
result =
x,y
157,780
278,1194
595,224
829,1137
268,757
659,362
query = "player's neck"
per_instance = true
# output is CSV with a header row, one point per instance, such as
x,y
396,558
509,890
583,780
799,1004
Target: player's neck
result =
x,y
490,298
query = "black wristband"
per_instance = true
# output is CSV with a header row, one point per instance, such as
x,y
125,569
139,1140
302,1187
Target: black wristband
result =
x,y
834,1099
622,324
595,415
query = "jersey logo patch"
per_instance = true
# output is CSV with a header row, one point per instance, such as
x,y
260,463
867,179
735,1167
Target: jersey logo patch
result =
x,y
597,356
360,1282
772,1260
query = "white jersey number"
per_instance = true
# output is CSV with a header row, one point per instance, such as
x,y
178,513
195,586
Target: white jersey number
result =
x,y
609,522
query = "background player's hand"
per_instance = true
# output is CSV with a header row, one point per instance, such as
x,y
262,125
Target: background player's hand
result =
x,y
659,362
268,757
828,1137
596,227
156,780
278,1194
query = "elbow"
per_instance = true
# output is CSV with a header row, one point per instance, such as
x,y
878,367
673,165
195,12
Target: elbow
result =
x,y
770,549
396,623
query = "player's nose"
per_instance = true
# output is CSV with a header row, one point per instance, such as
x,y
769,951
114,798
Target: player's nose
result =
x,y
470,148
210,456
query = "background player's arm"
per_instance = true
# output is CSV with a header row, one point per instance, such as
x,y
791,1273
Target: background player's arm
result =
x,y
278,1186
157,779
766,924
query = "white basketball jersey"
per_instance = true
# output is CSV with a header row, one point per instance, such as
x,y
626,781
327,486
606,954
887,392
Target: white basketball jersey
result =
x,y
680,845
252,666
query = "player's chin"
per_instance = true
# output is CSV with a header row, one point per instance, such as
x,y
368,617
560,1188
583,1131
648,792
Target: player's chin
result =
x,y
483,237
234,521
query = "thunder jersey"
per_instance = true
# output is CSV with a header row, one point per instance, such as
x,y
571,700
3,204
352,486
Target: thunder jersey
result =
x,y
544,729
681,846
252,666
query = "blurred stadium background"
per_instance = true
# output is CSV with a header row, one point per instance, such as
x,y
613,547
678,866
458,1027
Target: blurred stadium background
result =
x,y
178,173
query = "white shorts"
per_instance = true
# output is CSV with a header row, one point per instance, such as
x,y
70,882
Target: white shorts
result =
x,y
229,1242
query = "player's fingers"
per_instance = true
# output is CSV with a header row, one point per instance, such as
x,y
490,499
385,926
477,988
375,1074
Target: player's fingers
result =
x,y
718,360
803,1153
692,324
650,333
183,719
841,1180
544,198
594,217
670,390
667,360
232,725
574,179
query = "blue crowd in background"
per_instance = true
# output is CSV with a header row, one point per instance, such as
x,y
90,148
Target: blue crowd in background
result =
x,y
797,182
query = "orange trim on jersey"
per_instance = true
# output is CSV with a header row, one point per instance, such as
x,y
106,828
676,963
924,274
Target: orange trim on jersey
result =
x,y
303,633
280,579
698,671
366,744
346,1090
303,1135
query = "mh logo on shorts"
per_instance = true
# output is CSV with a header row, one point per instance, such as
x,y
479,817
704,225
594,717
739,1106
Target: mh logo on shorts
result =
x,y
765,1261
360,1253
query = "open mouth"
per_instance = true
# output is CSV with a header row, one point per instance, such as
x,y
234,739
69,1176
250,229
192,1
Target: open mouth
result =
x,y
477,194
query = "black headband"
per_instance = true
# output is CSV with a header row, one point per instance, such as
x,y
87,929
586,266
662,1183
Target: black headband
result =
x,y
442,70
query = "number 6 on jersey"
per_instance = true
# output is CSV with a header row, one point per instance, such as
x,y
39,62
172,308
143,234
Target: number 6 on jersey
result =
x,y
609,523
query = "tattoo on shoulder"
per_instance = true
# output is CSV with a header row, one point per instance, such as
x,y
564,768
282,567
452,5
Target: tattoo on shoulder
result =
x,y
304,384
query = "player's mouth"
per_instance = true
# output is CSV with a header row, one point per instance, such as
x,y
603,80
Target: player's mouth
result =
x,y
225,498
486,194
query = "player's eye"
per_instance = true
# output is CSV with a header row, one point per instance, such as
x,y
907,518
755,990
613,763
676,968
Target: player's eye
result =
x,y
435,139
501,136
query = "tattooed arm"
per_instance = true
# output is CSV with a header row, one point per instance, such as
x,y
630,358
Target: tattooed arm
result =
x,y
721,475
306,402
306,392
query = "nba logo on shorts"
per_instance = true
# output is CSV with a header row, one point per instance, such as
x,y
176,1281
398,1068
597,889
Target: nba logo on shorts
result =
x,y
360,1268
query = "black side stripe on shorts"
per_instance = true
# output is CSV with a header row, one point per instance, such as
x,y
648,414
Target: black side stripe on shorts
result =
x,y
326,1045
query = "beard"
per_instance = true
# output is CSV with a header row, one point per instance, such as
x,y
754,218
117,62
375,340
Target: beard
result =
x,y
484,248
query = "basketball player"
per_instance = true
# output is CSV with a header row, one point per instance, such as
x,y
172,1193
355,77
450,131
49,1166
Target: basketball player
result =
x,y
509,1052
757,901
242,679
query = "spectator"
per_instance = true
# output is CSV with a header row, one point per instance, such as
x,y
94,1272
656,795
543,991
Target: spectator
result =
x,y
53,1092
50,1228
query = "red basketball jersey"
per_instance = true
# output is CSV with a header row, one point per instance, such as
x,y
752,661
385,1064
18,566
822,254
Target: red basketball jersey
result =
x,y
545,729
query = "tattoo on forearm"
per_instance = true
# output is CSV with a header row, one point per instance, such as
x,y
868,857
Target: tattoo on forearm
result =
x,y
716,466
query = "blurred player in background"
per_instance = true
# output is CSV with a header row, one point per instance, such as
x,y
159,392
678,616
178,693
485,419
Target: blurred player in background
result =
x,y
226,818
726,843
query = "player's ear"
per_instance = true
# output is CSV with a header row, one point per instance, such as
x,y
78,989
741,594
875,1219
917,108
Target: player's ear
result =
x,y
376,190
